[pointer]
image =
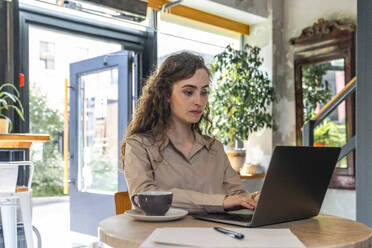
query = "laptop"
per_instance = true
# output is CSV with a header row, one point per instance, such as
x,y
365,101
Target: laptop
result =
x,y
294,188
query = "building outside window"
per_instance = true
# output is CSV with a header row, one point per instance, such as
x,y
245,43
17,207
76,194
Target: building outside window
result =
x,y
47,54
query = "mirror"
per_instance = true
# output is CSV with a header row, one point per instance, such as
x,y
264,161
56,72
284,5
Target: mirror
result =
x,y
324,61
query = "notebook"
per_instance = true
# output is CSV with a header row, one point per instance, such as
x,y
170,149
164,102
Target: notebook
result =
x,y
186,237
294,187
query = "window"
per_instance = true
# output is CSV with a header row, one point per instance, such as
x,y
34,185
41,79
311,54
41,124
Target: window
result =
x,y
47,54
174,38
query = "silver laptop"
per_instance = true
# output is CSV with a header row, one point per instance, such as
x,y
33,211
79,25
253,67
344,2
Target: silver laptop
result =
x,y
294,188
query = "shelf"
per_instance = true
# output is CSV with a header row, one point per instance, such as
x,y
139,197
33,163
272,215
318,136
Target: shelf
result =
x,y
21,140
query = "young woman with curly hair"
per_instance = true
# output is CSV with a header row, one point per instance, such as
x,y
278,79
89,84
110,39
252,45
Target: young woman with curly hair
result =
x,y
164,148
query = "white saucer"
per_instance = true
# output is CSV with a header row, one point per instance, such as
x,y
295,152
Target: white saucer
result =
x,y
172,214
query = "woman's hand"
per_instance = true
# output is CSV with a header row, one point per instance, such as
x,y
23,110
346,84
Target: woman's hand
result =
x,y
255,196
235,202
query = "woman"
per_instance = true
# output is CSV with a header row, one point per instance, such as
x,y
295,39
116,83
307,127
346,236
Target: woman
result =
x,y
165,150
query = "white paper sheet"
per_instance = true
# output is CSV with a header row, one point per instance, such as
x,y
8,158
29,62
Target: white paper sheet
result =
x,y
207,237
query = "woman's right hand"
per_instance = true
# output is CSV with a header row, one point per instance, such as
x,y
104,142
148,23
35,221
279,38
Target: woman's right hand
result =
x,y
235,202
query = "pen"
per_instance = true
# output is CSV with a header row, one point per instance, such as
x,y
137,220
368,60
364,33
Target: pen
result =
x,y
233,234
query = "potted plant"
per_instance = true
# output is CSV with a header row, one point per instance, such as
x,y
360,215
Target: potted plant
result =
x,y
9,100
241,97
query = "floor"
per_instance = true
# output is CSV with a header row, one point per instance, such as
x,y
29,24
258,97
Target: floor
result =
x,y
51,217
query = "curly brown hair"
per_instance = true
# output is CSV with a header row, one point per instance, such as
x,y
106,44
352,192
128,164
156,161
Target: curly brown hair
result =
x,y
153,109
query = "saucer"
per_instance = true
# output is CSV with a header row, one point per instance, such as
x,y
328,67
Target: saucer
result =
x,y
172,214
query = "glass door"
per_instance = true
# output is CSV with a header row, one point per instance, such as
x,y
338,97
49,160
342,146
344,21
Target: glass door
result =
x,y
100,108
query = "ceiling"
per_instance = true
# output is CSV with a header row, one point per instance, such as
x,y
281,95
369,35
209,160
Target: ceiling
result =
x,y
223,10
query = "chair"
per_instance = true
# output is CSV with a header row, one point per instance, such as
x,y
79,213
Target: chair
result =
x,y
122,202
14,187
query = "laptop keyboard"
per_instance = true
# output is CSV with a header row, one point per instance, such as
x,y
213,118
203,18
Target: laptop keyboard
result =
x,y
231,217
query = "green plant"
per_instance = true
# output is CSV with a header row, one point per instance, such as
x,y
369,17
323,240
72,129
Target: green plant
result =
x,y
330,133
103,169
8,101
48,175
241,94
315,90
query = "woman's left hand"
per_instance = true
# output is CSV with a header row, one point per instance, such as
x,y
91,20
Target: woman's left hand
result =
x,y
255,196
235,202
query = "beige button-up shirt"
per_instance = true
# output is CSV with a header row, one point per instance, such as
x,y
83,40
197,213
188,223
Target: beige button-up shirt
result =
x,y
199,182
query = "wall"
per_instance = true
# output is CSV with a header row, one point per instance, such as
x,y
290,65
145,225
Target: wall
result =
x,y
257,7
340,203
363,115
296,16
290,17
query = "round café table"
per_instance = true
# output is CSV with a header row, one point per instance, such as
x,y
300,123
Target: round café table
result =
x,y
320,231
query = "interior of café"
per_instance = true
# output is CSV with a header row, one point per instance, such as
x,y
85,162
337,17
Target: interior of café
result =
x,y
71,74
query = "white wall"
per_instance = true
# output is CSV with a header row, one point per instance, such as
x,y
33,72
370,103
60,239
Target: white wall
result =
x,y
340,203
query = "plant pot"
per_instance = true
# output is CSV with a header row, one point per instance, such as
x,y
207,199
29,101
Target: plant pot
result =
x,y
319,144
4,125
252,169
236,158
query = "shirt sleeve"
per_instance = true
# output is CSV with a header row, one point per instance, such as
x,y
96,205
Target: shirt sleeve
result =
x,y
232,182
139,174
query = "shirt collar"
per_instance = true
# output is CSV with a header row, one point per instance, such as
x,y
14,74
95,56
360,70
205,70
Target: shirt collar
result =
x,y
199,139
203,140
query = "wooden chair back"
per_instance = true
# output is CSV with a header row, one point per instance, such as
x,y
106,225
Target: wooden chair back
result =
x,y
122,202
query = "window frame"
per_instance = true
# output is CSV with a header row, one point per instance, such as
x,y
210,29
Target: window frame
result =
x,y
139,41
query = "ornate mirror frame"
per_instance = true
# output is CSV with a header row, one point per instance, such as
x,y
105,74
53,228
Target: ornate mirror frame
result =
x,y
322,42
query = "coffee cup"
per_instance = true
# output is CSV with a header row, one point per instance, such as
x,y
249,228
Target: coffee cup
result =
x,y
153,202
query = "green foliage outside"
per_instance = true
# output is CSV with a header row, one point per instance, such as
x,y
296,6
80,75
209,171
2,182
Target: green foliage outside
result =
x,y
48,173
241,94
330,133
315,90
103,171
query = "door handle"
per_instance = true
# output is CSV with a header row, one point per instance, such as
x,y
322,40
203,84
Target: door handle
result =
x,y
72,181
